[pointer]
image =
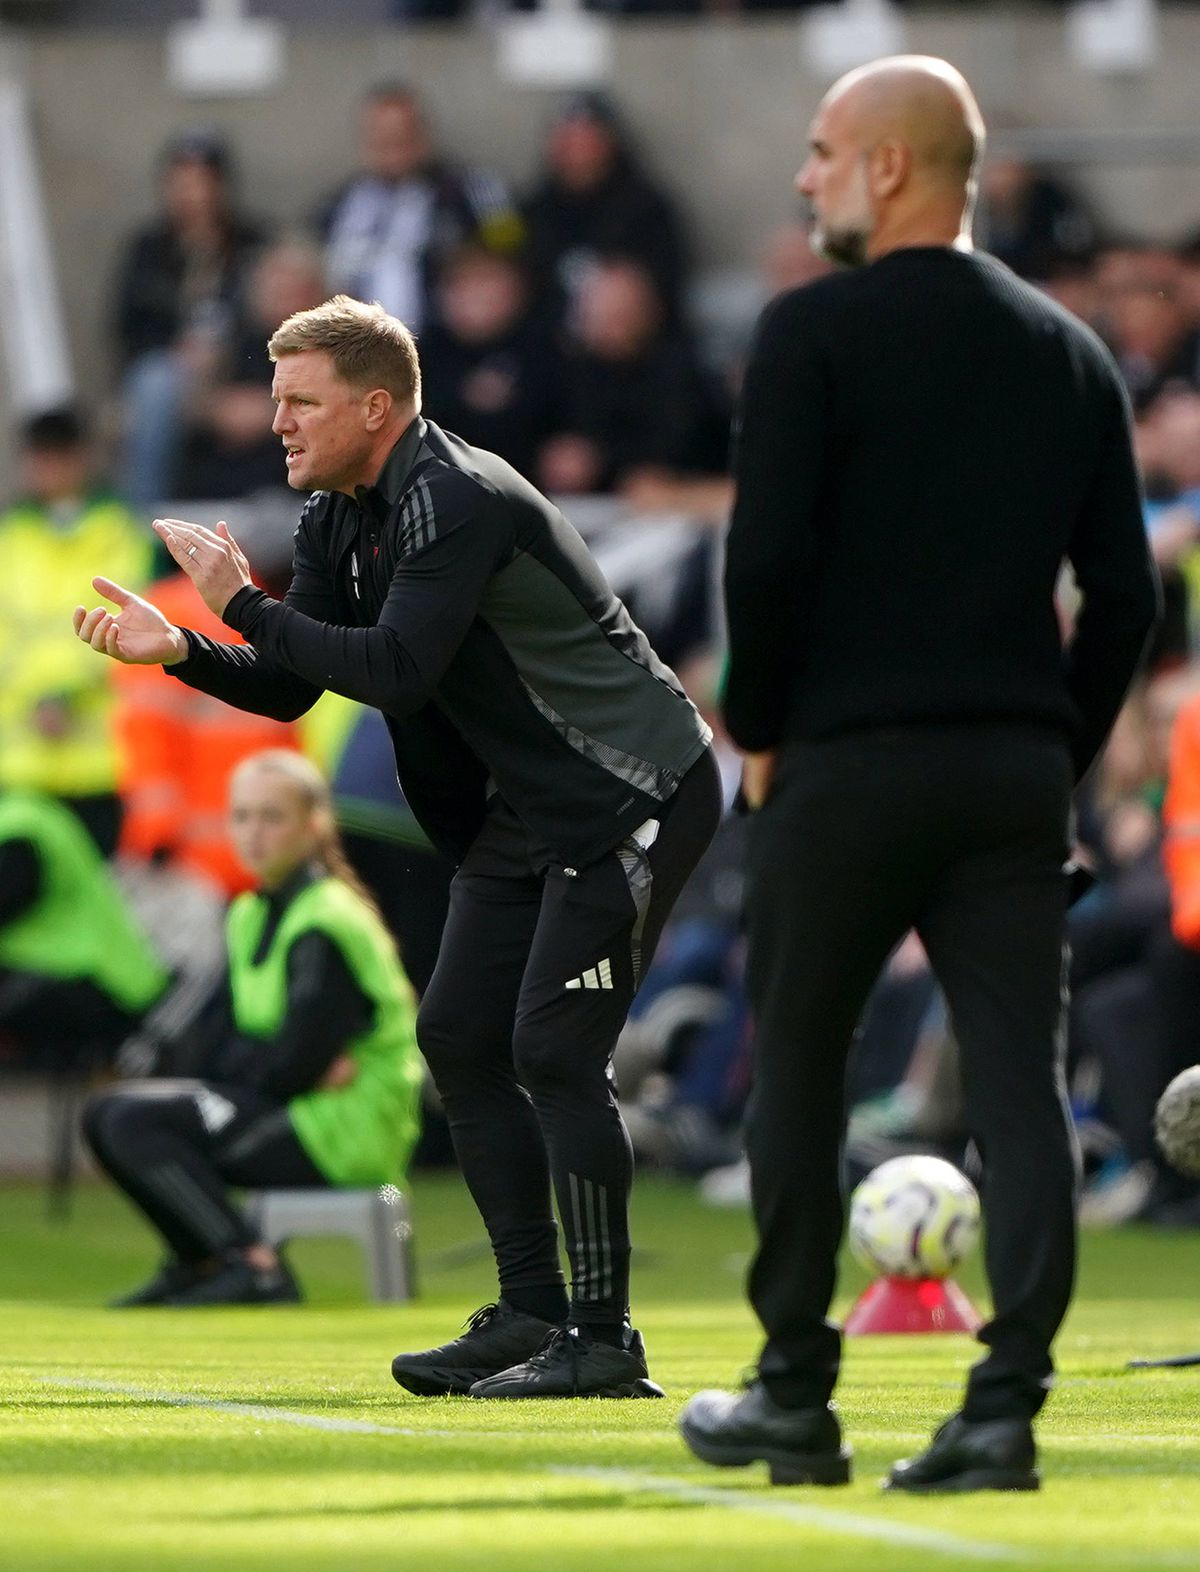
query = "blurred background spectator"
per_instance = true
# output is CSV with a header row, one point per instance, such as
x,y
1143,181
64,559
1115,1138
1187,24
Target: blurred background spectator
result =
x,y
596,200
56,698
490,364
179,296
307,1054
228,448
1150,324
388,227
634,399
1031,219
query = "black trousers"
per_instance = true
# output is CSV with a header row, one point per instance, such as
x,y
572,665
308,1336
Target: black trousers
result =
x,y
174,1147
960,832
537,969
61,1020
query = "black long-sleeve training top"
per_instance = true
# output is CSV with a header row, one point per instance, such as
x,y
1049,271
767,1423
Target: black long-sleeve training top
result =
x,y
456,599
922,443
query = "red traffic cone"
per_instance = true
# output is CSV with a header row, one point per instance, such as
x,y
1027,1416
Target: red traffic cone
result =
x,y
912,1304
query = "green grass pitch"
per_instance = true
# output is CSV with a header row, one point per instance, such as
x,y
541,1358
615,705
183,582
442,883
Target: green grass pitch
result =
x,y
160,1439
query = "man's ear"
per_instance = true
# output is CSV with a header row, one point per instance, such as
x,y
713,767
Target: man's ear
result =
x,y
377,407
890,165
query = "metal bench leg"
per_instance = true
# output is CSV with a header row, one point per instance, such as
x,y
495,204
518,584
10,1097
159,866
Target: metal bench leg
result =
x,y
388,1250
67,1084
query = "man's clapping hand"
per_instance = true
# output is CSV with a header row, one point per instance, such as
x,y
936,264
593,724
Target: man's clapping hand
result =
x,y
137,634
212,559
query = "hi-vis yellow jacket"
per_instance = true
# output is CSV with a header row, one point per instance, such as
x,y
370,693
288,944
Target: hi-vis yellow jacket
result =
x,y
56,699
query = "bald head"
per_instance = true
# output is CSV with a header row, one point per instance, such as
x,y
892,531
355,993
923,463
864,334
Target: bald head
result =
x,y
895,147
920,102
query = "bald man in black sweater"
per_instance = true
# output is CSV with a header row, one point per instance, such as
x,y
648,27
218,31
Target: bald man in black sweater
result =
x,y
924,441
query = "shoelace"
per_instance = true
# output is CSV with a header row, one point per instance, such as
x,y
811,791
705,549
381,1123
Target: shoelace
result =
x,y
481,1317
559,1346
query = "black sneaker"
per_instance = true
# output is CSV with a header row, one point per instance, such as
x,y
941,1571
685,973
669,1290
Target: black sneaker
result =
x,y
573,1364
173,1277
496,1337
238,1282
987,1454
801,1446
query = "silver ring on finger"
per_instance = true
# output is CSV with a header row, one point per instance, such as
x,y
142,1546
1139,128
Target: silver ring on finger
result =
x,y
191,551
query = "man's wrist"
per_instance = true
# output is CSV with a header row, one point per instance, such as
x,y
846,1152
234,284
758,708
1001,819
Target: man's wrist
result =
x,y
181,648
237,609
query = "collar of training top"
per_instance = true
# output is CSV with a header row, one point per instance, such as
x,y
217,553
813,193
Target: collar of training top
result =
x,y
393,477
299,879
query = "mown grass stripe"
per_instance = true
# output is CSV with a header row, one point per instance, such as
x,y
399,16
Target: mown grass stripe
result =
x,y
829,1519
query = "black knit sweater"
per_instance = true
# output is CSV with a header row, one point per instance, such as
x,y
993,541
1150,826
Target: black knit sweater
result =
x,y
923,443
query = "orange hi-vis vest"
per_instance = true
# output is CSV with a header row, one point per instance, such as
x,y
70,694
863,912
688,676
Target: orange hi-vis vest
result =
x,y
1181,825
178,748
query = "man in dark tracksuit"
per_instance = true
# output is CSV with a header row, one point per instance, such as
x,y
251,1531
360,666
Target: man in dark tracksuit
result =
x,y
924,440
540,743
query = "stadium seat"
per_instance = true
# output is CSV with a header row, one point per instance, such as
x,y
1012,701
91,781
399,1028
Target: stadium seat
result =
x,y
378,1220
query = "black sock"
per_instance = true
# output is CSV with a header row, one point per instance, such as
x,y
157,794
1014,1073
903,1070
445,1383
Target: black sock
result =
x,y
611,1332
547,1301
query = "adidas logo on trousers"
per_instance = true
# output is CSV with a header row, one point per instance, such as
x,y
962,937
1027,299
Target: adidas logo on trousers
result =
x,y
595,977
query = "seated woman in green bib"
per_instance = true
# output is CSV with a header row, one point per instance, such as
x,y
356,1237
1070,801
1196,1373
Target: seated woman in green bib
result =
x,y
315,1078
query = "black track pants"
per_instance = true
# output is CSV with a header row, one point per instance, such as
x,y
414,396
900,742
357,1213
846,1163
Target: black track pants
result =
x,y
959,831
536,973
174,1146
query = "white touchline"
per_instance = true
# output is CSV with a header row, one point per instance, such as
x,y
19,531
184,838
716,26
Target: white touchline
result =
x,y
830,1519
291,1416
279,1416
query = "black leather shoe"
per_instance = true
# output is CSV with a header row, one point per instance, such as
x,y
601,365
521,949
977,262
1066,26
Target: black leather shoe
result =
x,y
988,1454
573,1364
496,1337
801,1446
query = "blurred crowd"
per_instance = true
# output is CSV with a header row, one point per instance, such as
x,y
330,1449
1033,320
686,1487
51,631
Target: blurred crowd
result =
x,y
566,326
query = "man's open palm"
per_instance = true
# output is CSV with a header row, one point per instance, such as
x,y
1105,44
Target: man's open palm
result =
x,y
138,634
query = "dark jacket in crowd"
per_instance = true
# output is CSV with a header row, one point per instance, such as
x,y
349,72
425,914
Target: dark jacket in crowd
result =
x,y
626,216
504,395
1050,226
658,409
212,470
160,294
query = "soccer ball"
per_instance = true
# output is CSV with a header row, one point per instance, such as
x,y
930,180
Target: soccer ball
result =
x,y
913,1217
1177,1122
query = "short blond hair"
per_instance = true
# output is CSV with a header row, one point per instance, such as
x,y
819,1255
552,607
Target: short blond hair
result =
x,y
369,347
